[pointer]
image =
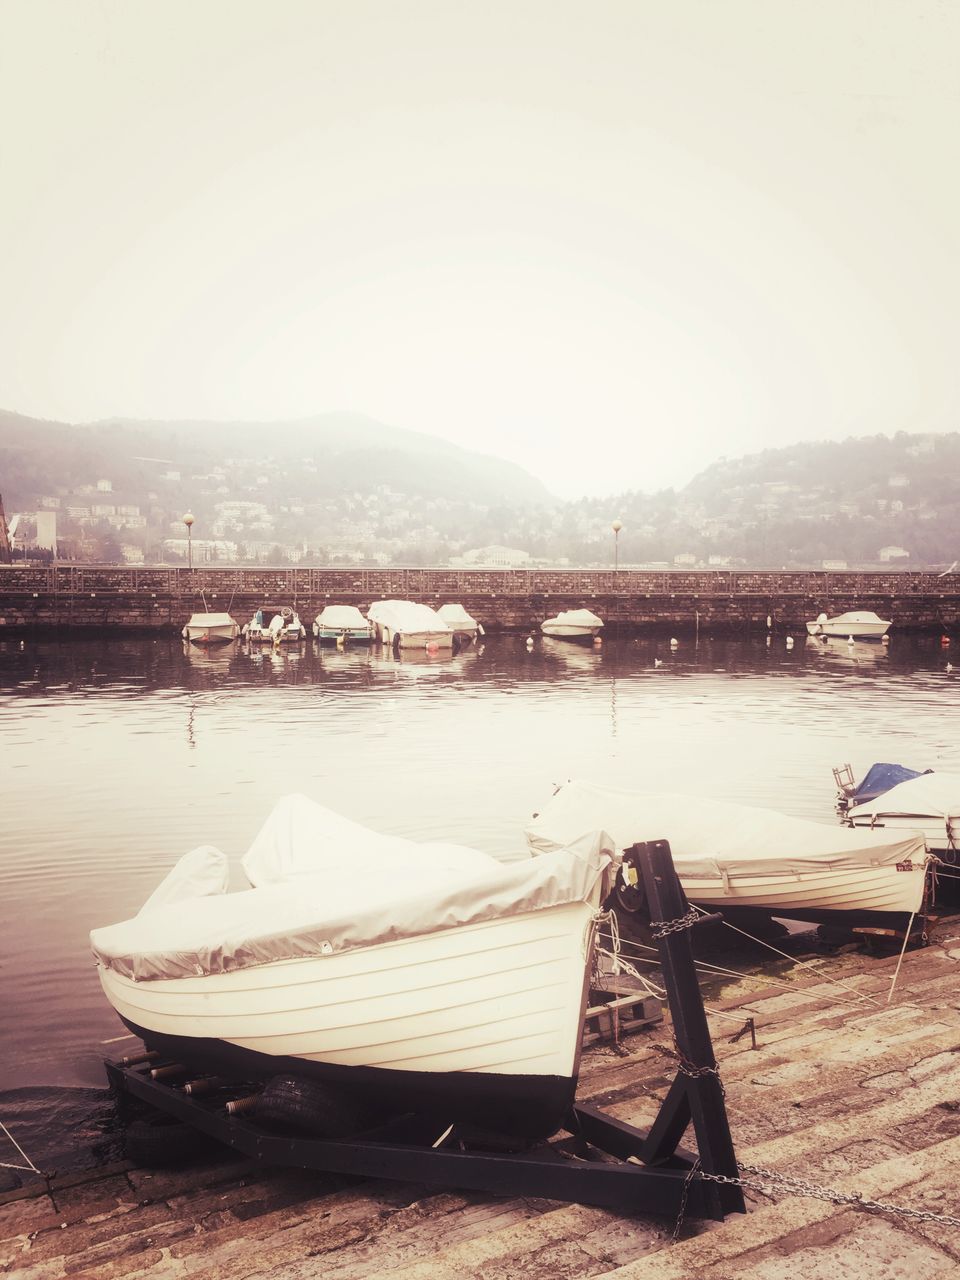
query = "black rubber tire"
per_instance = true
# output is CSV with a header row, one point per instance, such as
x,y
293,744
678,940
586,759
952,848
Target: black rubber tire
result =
x,y
158,1142
291,1102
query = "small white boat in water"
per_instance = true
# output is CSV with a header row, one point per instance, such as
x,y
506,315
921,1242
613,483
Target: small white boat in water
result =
x,y
342,623
858,625
574,624
460,622
210,628
405,624
429,977
275,625
731,858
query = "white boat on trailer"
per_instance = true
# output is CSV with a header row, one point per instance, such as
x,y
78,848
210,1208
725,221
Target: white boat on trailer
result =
x,y
342,624
743,861
210,628
275,624
858,625
573,624
406,624
428,977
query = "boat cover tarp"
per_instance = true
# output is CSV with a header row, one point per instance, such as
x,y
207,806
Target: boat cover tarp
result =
x,y
577,618
210,620
932,794
880,778
358,895
712,838
199,873
455,615
406,616
342,615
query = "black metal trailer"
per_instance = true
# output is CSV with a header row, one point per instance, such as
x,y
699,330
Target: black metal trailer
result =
x,y
602,1161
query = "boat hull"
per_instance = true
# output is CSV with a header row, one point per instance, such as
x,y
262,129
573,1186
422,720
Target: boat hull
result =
x,y
878,896
560,631
838,630
414,639
211,635
481,1022
349,635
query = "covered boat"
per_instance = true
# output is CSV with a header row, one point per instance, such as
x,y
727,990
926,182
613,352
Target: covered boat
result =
x,y
405,624
928,803
210,628
573,624
275,624
878,779
860,624
733,858
460,622
342,623
430,977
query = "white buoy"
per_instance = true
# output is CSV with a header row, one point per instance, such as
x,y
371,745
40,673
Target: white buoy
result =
x,y
529,642
769,622
768,642
658,662
884,639
789,642
674,643
949,666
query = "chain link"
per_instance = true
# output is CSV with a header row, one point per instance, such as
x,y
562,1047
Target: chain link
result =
x,y
801,1187
663,928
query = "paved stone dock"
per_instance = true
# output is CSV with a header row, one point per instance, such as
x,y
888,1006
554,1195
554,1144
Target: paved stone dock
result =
x,y
858,1096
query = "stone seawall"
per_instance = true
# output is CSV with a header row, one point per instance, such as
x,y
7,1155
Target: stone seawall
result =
x,y
87,598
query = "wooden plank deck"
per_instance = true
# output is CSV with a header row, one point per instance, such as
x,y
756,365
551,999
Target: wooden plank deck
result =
x,y
842,1090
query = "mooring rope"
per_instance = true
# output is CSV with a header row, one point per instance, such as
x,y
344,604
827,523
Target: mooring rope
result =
x,y
29,1167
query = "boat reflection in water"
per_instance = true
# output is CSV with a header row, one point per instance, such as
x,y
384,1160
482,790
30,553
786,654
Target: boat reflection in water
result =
x,y
848,653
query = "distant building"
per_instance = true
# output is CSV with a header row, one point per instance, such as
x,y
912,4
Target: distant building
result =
x,y
493,557
47,530
898,482
893,553
104,486
833,566
132,555
49,503
685,560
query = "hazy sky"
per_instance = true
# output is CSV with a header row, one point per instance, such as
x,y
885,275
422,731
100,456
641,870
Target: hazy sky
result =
x,y
611,240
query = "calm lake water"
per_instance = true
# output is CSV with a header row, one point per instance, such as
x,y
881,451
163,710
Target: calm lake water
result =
x,y
118,756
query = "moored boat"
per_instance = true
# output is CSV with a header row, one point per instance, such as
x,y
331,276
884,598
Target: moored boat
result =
x,y
735,859
858,625
406,624
210,628
275,624
927,802
460,622
572,624
437,980
342,624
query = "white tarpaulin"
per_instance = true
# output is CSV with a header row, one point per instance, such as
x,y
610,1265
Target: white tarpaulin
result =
x,y
710,838
406,616
363,890
199,874
934,795
341,615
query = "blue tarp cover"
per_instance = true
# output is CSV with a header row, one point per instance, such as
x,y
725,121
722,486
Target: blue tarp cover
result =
x,y
879,778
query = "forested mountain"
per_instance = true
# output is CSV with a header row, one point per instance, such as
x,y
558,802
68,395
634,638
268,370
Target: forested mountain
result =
x,y
342,488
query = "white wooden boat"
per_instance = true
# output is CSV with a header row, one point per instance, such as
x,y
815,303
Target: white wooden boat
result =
x,y
431,977
733,858
342,623
928,803
573,624
860,625
405,624
275,625
210,628
463,626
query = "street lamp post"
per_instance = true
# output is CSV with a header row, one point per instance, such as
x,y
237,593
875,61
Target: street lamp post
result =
x,y
616,527
188,521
